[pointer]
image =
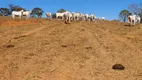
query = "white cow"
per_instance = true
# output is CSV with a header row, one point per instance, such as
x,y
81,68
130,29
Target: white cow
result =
x,y
132,19
102,18
71,17
99,18
92,17
59,15
17,13
67,16
86,16
48,14
82,16
76,16
138,19
27,14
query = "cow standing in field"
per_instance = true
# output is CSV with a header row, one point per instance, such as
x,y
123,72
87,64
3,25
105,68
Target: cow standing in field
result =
x,y
82,16
59,15
102,18
76,16
92,17
86,16
49,15
67,16
132,19
138,19
99,18
17,13
26,13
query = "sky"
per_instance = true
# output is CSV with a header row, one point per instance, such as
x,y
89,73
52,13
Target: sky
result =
x,y
109,9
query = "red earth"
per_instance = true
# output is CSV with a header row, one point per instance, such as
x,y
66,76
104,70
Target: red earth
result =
x,y
40,49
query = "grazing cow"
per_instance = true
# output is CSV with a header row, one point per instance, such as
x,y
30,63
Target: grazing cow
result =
x,y
86,16
67,16
92,17
17,13
102,18
76,16
71,17
132,19
48,14
27,14
82,16
138,19
99,18
59,15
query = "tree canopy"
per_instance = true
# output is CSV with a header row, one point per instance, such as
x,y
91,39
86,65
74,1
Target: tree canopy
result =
x,y
15,7
124,15
37,12
135,8
4,11
61,10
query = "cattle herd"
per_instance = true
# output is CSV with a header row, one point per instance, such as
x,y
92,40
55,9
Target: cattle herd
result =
x,y
68,16
133,19
20,14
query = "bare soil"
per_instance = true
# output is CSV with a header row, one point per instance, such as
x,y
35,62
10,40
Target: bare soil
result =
x,y
40,49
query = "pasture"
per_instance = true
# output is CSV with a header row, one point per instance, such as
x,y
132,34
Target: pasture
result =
x,y
40,49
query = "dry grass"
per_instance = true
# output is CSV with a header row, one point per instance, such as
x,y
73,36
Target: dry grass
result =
x,y
16,23
39,49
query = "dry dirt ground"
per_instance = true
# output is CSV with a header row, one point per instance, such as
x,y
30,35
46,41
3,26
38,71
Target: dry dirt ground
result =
x,y
39,49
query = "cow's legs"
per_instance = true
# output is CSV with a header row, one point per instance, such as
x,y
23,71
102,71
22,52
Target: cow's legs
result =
x,y
62,17
56,17
27,16
13,16
69,19
65,19
134,23
20,17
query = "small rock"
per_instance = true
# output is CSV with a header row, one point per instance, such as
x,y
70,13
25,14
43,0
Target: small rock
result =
x,y
88,47
118,67
9,46
64,45
9,41
16,37
82,29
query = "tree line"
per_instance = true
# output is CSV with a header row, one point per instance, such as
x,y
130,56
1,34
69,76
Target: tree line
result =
x,y
35,12
132,9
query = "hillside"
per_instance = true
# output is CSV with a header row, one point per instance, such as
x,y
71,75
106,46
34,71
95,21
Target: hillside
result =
x,y
39,49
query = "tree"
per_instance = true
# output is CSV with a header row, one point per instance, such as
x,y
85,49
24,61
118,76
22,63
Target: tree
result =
x,y
15,8
136,9
61,10
37,12
4,11
124,15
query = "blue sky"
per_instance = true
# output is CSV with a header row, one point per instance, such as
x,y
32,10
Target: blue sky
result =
x,y
107,8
